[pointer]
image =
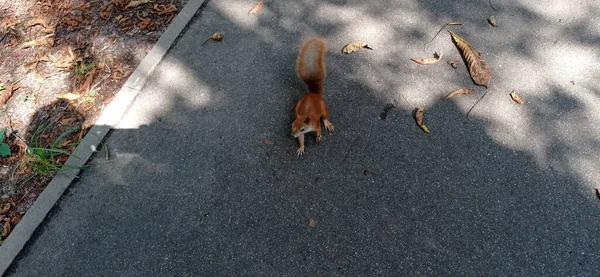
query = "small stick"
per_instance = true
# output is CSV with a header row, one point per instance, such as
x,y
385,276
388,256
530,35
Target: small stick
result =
x,y
490,1
484,94
447,24
107,152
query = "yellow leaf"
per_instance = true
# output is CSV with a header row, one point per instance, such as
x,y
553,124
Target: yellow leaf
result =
x,y
312,223
516,97
459,91
355,46
136,3
419,119
429,60
68,96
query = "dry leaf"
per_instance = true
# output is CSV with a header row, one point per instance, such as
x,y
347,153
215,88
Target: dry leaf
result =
x,y
312,223
6,229
478,68
7,93
429,60
5,208
459,91
419,119
492,21
256,8
268,141
40,21
164,9
145,22
136,3
15,220
105,11
454,23
516,97
355,46
68,96
67,121
452,63
218,36
44,41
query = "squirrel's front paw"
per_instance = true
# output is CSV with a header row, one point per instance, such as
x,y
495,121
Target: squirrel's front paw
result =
x,y
319,138
300,151
328,125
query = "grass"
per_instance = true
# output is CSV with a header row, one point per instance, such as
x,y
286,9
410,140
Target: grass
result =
x,y
4,149
46,160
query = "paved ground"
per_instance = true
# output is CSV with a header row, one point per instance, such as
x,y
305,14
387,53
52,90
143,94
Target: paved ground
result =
x,y
193,189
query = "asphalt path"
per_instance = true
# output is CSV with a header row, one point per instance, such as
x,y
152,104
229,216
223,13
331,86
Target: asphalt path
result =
x,y
203,179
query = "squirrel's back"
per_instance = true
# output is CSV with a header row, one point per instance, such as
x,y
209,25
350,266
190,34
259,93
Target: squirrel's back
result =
x,y
311,64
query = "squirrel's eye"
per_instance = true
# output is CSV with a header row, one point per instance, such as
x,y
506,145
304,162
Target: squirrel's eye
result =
x,y
302,130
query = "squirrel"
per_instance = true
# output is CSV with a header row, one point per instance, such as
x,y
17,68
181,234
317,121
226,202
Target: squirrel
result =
x,y
311,108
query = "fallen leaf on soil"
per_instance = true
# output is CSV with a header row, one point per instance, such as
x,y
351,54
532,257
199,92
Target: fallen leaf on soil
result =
x,y
6,229
492,21
44,41
15,220
419,119
164,9
40,21
218,36
64,59
515,97
33,195
5,208
67,121
459,91
355,46
68,96
478,68
312,223
144,23
433,60
105,11
7,93
256,8
136,3
452,63
268,141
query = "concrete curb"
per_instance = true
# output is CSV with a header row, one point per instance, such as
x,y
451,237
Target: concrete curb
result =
x,y
15,242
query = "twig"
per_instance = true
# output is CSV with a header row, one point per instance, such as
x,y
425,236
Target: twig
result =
x,y
349,149
484,94
490,1
107,152
447,24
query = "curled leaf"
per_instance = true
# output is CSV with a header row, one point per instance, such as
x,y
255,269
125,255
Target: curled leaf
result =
x,y
215,37
419,119
5,208
459,91
312,223
136,3
256,8
6,229
492,21
433,60
355,46
452,63
478,68
43,41
515,97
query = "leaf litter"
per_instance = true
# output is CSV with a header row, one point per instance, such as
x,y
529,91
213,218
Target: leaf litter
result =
x,y
478,68
355,46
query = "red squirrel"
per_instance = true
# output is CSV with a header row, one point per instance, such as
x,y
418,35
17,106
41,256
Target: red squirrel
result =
x,y
311,108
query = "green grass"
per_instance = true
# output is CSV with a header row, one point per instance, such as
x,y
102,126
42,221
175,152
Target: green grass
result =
x,y
4,149
44,159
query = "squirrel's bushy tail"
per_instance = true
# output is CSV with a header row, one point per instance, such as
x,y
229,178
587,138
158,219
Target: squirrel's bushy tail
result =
x,y
311,64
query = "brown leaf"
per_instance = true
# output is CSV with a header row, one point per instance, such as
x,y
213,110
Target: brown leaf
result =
x,y
7,93
6,229
419,119
164,9
452,63
5,208
478,68
459,91
312,223
136,3
67,121
429,60
218,36
144,23
256,8
516,97
355,46
268,141
105,11
68,96
43,41
40,21
15,220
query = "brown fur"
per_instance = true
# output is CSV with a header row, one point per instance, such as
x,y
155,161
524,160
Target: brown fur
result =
x,y
311,108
